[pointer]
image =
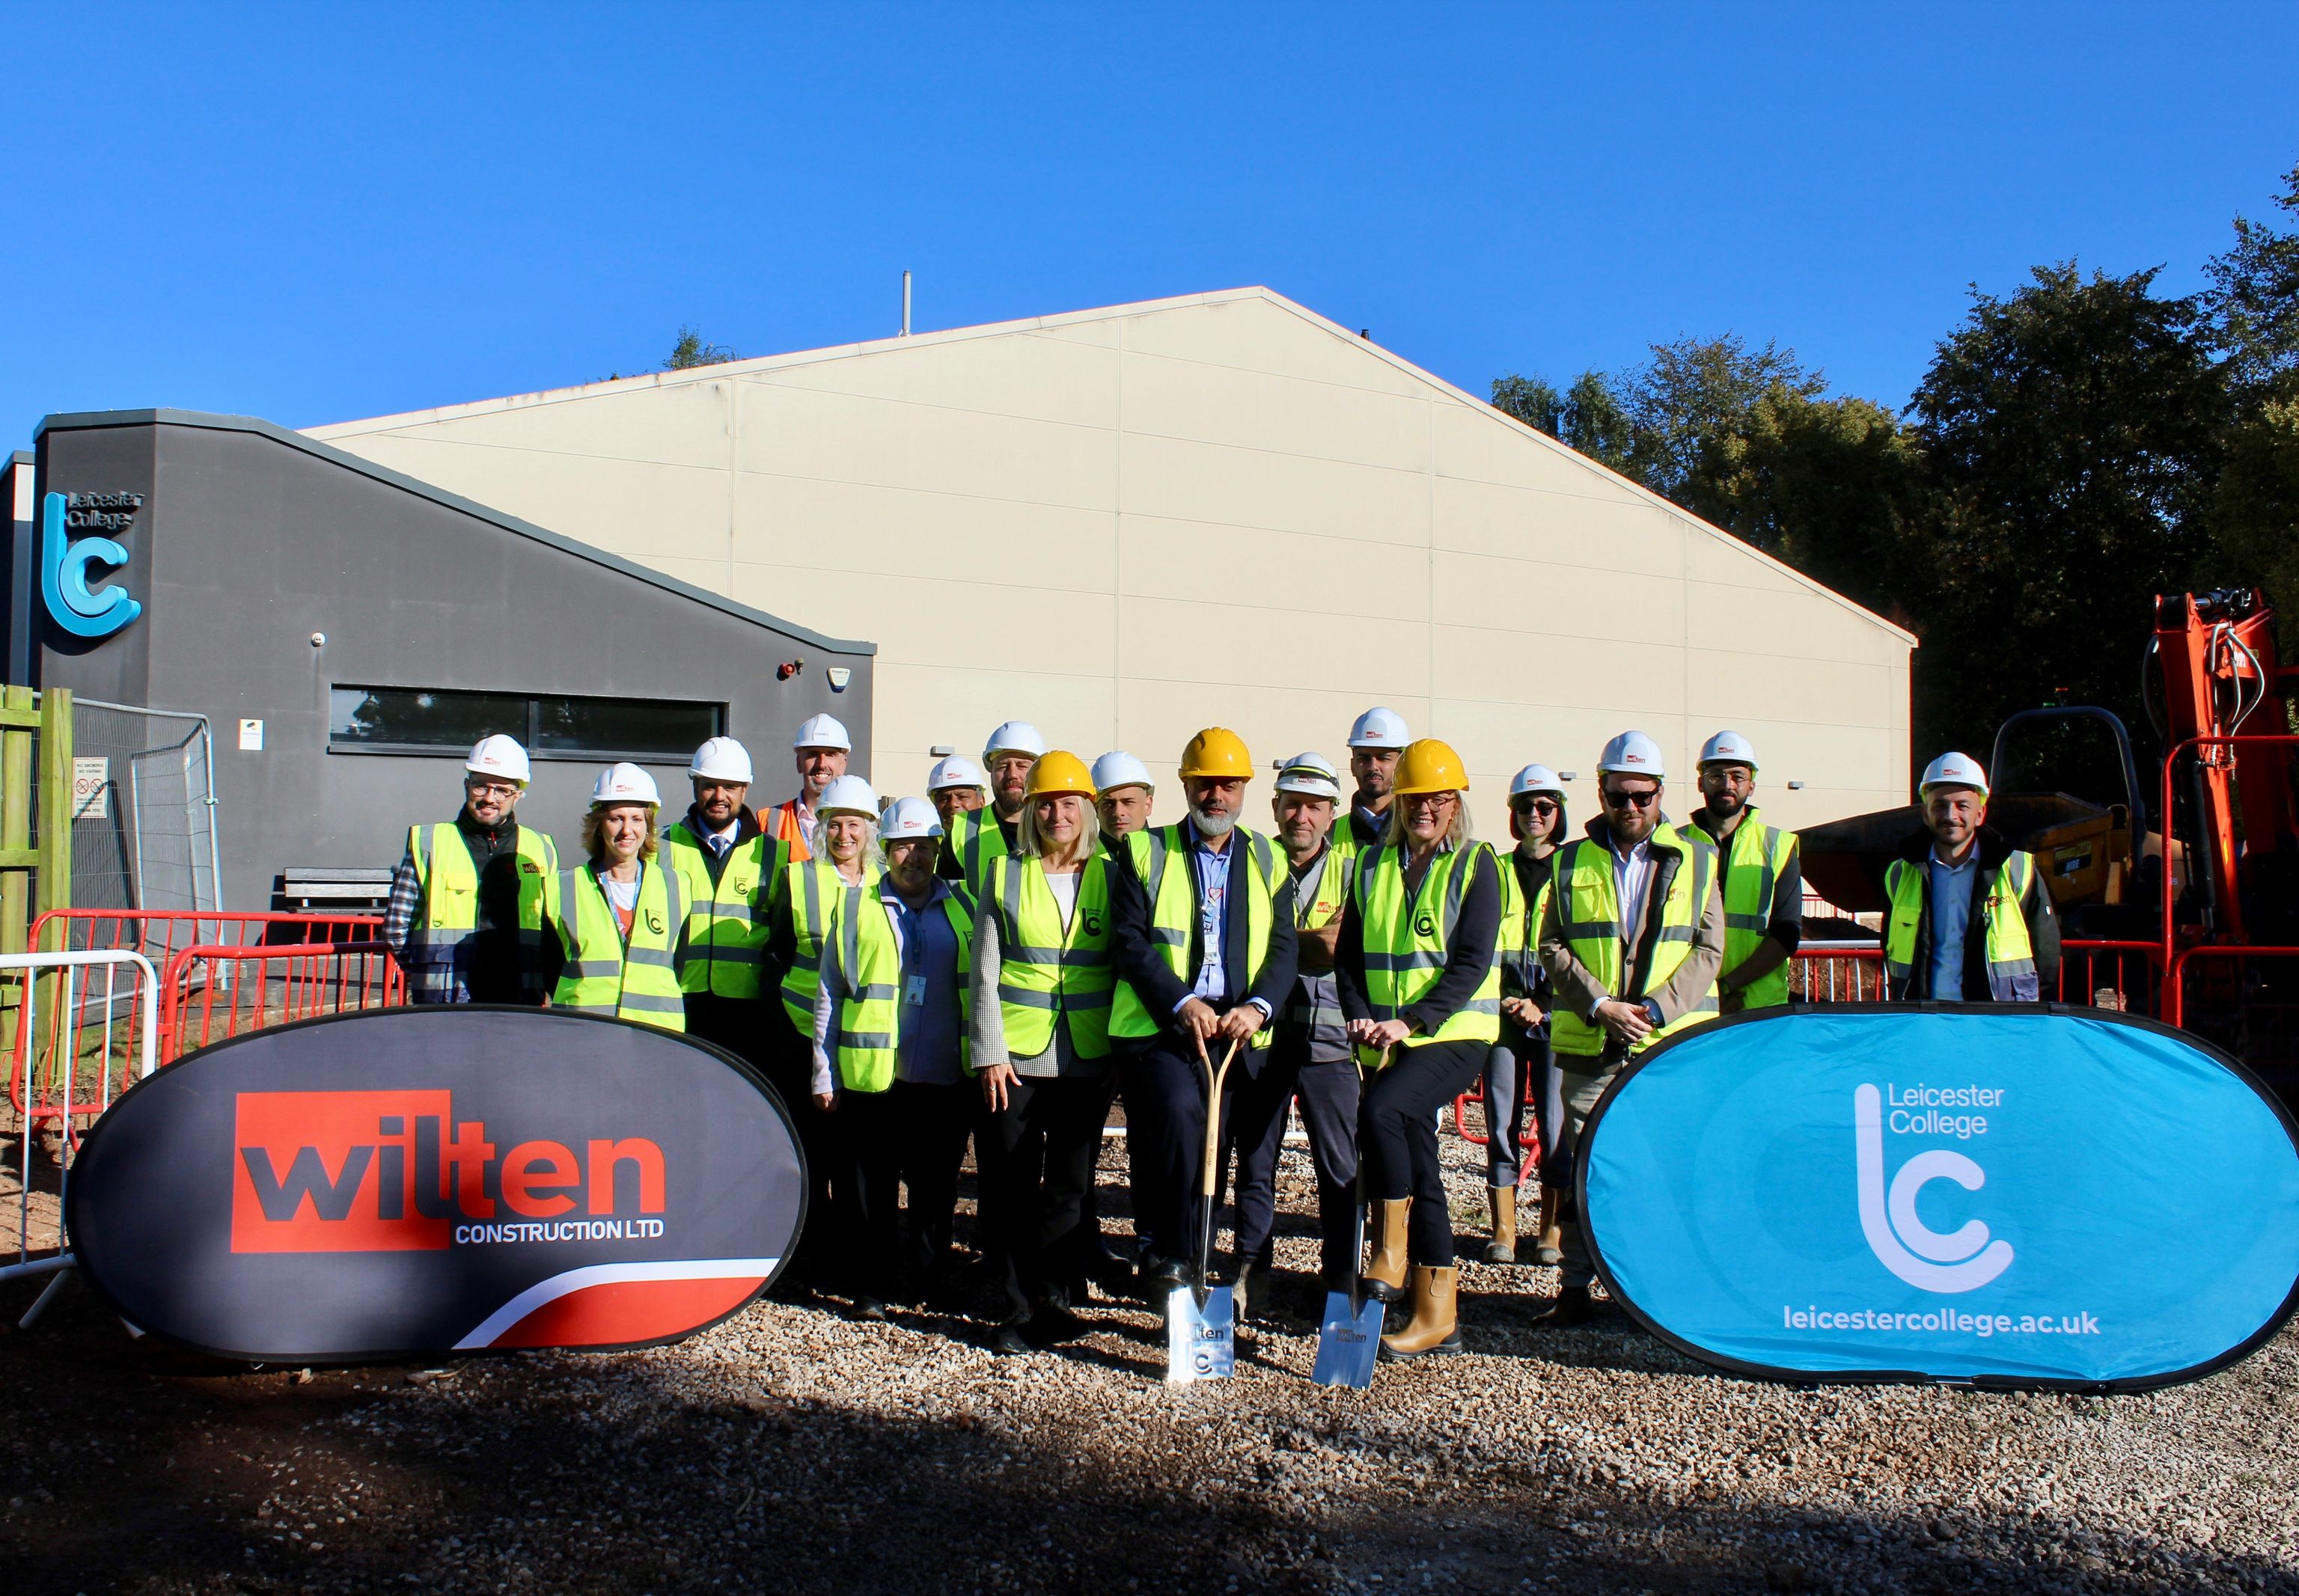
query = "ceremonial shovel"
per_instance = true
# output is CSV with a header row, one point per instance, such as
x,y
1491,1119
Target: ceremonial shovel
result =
x,y
1201,1319
1348,1336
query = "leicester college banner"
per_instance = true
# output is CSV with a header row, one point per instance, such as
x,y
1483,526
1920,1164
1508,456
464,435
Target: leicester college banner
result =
x,y
1993,1194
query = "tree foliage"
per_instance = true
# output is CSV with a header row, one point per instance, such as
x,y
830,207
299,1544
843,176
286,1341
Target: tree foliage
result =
x,y
2252,304
689,350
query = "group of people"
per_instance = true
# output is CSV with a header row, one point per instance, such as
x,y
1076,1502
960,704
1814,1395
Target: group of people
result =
x,y
1005,958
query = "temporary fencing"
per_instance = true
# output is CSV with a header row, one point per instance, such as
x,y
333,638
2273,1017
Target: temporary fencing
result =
x,y
102,1047
144,809
1838,972
211,992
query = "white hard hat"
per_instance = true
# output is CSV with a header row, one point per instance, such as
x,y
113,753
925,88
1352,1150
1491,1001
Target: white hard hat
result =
x,y
1379,728
1015,737
498,756
623,782
1534,778
850,794
906,818
1953,770
1117,769
1634,754
823,732
957,771
721,759
1728,748
1312,775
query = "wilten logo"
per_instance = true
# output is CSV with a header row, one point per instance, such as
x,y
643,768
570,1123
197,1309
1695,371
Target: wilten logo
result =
x,y
392,1171
1963,1259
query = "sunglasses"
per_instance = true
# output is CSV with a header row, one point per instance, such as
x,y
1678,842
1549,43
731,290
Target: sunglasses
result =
x,y
1631,800
1528,805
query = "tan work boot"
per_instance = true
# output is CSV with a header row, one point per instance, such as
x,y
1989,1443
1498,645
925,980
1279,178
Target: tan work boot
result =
x,y
1502,1200
1436,1327
1384,1275
1548,1252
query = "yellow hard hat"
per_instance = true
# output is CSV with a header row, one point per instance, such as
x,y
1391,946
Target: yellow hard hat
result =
x,y
1429,765
1059,770
1219,753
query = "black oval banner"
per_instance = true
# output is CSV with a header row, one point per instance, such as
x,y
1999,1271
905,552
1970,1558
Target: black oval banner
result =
x,y
431,1180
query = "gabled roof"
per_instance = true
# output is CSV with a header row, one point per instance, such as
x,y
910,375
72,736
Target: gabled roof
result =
x,y
85,420
764,363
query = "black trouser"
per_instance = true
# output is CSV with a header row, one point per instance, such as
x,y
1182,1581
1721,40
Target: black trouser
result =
x,y
1090,1217
1037,1156
1328,1096
1166,1118
737,1024
931,1125
787,1062
1397,1133
866,1173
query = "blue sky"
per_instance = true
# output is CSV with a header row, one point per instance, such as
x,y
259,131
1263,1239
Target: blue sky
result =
x,y
316,213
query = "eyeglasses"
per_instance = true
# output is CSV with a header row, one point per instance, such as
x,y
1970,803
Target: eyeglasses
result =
x,y
1631,800
502,790
1431,800
1543,805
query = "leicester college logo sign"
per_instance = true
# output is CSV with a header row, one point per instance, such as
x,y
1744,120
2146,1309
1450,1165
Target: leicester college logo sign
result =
x,y
1951,1192
75,605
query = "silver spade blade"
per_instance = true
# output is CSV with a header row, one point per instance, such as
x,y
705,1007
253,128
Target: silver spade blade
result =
x,y
1201,1342
1348,1342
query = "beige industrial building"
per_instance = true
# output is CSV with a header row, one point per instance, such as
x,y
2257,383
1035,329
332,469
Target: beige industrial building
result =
x,y
1124,524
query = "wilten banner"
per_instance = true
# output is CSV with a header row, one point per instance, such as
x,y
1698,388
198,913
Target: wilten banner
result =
x,y
1998,1194
426,1179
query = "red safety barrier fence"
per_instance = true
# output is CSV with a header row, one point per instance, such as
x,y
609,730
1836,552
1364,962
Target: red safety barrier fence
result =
x,y
40,1089
1837,972
211,993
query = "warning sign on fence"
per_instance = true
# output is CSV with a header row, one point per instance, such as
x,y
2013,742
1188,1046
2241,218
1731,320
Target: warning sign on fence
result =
x,y
91,786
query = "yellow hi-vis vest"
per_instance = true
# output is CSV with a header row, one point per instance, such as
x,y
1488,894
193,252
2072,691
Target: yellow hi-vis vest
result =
x,y
451,902
812,887
1756,854
1318,1003
1589,914
726,919
603,975
868,1038
975,839
2011,954
1519,939
1160,858
1408,939
1046,970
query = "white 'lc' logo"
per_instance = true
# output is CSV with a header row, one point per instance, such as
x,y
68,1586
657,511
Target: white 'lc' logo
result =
x,y
1964,1260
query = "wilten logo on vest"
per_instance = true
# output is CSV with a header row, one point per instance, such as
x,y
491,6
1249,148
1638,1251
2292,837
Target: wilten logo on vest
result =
x,y
1961,1259
394,1171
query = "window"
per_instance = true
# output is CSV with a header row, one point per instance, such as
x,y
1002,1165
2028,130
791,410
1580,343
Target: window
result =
x,y
415,720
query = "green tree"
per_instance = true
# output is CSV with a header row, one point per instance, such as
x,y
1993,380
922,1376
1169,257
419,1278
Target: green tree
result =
x,y
1586,418
2255,513
2074,430
2252,304
690,351
1694,395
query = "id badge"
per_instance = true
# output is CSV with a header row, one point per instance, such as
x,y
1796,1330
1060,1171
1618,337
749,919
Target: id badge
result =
x,y
914,991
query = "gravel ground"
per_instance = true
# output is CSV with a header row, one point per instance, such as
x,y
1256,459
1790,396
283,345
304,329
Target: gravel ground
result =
x,y
790,1449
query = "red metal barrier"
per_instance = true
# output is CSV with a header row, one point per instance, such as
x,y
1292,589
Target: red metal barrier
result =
x,y
212,993
1838,972
2106,973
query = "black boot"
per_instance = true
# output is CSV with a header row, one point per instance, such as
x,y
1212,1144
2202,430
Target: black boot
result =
x,y
1571,1307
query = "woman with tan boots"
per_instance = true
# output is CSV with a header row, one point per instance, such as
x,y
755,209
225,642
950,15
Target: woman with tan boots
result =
x,y
1420,987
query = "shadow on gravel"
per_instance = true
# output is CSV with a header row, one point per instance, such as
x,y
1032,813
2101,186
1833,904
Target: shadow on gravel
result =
x,y
125,1466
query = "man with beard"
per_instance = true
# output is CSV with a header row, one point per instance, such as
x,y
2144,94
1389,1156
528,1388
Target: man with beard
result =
x,y
1375,742
727,868
819,751
1202,936
469,900
979,837
1760,873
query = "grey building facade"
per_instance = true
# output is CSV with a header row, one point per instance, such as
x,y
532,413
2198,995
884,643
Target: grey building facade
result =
x,y
349,631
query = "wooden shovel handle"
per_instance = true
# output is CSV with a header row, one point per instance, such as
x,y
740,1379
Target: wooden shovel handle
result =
x,y
1215,1075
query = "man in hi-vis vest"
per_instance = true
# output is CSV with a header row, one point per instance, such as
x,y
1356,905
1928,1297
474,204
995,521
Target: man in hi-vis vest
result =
x,y
976,838
729,868
1632,940
469,901
1968,917
1760,873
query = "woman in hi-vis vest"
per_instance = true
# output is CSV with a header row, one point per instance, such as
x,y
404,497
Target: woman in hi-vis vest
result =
x,y
1420,987
1041,983
621,916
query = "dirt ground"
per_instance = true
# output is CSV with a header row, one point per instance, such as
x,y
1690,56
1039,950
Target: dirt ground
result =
x,y
790,1449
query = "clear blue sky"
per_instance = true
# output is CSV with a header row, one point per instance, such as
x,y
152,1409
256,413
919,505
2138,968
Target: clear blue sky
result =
x,y
313,214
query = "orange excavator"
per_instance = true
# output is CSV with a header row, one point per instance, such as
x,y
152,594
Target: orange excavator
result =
x,y
2180,895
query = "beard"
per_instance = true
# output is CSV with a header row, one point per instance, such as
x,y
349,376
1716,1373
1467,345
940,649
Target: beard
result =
x,y
1210,826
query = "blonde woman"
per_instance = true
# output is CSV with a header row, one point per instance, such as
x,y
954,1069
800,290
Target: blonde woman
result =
x,y
1041,1047
621,916
1420,990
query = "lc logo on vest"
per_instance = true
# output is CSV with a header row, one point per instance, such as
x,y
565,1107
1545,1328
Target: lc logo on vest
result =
x,y
1963,1259
73,605
1972,1219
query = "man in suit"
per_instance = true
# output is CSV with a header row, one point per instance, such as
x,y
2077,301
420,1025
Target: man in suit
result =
x,y
1202,929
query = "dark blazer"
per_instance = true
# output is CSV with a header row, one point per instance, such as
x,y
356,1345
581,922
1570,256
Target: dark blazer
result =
x,y
2043,925
1142,967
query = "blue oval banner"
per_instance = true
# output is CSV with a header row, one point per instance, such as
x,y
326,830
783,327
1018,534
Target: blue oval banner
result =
x,y
1993,1194
450,1178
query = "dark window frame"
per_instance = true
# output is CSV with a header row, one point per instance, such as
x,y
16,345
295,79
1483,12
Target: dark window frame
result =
x,y
530,737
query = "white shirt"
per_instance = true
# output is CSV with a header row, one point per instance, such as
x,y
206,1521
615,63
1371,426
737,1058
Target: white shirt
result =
x,y
1632,874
